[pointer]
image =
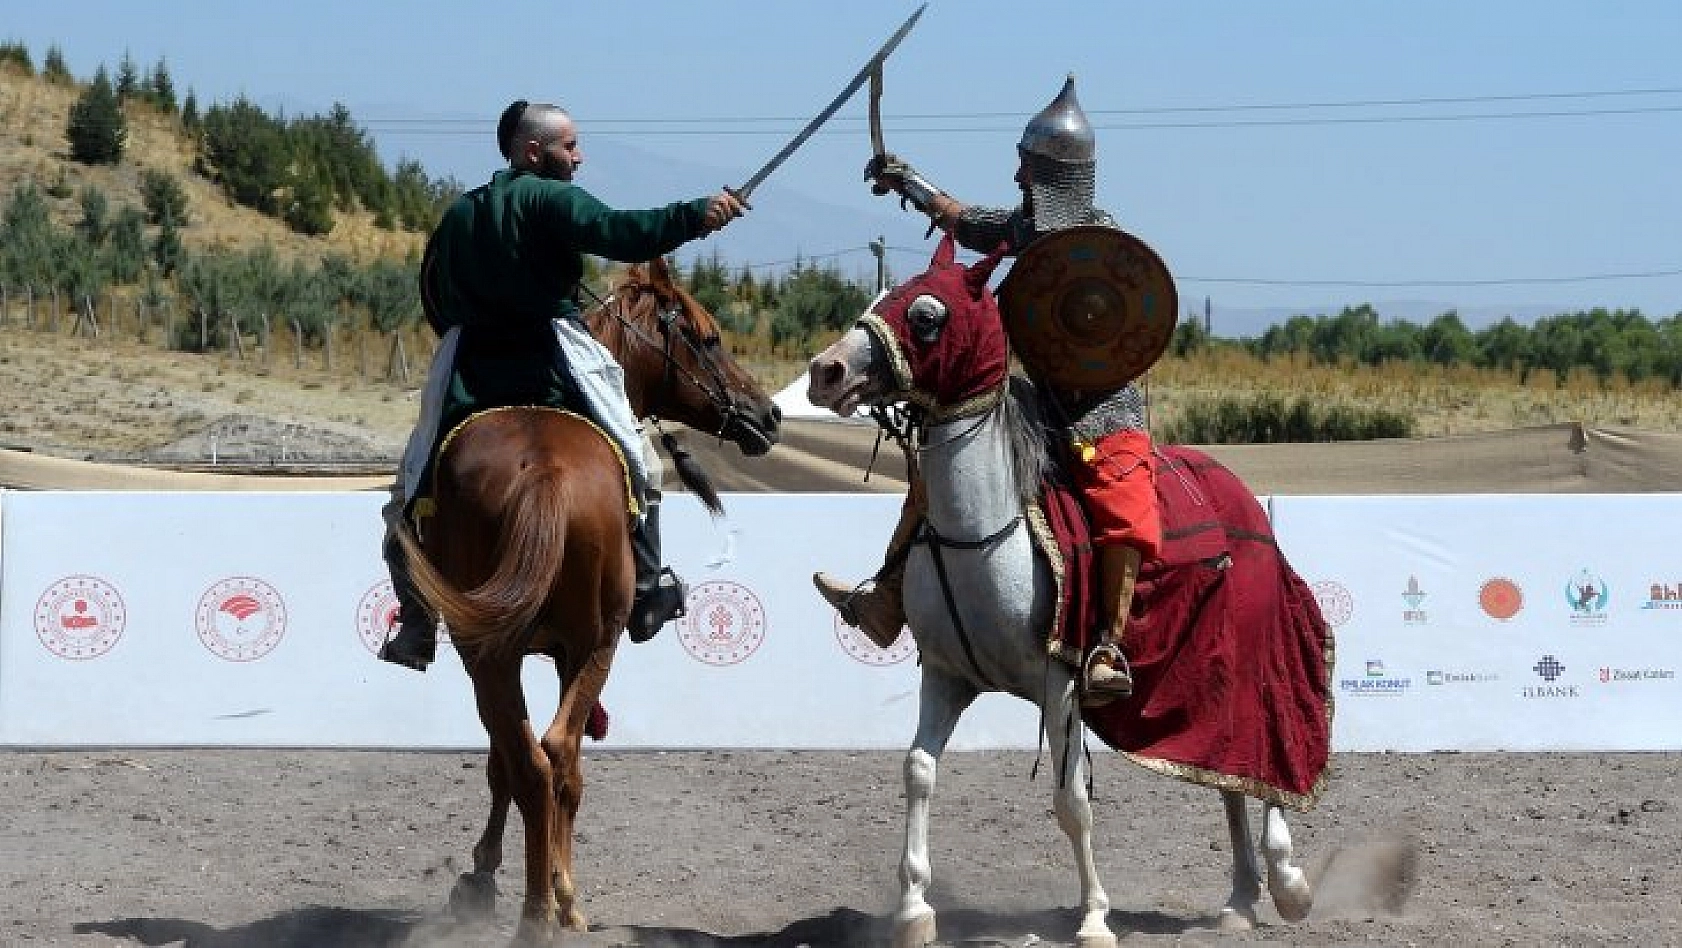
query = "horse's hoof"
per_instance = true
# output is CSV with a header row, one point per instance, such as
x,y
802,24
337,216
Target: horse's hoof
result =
x,y
473,897
1234,920
1292,895
914,931
1096,939
573,921
536,934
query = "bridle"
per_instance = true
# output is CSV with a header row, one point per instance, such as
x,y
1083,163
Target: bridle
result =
x,y
714,386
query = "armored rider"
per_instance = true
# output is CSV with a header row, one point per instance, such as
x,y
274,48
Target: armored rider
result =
x,y
1112,462
499,282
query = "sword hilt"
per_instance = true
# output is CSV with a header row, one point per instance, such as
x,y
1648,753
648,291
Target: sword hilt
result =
x,y
739,196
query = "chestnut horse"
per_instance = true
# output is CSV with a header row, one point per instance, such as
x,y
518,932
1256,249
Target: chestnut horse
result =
x,y
529,553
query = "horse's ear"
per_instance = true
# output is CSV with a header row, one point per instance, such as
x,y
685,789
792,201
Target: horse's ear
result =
x,y
659,273
976,277
946,252
634,274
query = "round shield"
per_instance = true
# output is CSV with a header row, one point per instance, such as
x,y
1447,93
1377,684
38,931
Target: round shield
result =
x,y
1089,308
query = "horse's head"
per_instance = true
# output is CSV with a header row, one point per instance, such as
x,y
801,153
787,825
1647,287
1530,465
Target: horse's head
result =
x,y
935,340
676,366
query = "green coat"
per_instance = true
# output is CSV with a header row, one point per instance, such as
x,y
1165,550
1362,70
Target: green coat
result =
x,y
506,259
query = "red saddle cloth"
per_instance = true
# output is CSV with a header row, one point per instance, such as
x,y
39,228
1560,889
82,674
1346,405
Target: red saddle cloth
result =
x,y
1232,660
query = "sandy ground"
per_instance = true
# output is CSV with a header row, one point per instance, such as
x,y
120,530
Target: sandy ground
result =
x,y
241,849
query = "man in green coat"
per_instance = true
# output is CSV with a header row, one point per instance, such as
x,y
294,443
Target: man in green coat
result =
x,y
502,267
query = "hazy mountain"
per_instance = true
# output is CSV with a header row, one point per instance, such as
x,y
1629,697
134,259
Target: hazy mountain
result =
x,y
786,224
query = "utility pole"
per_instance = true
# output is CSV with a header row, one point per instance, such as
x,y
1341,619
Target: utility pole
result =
x,y
879,247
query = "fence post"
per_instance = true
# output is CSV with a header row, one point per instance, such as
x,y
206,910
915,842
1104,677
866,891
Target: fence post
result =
x,y
297,345
236,345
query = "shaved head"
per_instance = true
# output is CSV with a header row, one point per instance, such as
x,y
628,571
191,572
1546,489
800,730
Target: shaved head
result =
x,y
539,138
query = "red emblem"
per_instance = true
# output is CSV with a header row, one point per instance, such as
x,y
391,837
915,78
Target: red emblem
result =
x,y
1500,598
860,649
1336,604
376,616
80,617
725,624
241,618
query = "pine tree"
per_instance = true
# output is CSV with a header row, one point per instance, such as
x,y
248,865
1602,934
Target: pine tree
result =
x,y
97,130
54,69
167,251
162,88
190,111
95,225
162,196
128,78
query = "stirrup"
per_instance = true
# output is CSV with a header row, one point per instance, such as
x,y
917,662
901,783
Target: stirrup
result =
x,y
1099,693
414,646
658,605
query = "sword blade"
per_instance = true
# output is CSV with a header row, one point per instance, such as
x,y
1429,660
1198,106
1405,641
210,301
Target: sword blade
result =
x,y
830,109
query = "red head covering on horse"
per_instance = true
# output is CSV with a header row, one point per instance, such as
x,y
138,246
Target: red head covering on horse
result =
x,y
943,335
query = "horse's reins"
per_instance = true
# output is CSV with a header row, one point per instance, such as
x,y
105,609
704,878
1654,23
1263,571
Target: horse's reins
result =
x,y
714,388
908,428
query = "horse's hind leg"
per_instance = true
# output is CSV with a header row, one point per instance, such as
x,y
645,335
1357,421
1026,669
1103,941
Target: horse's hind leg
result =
x,y
1292,894
941,701
474,895
1239,913
530,779
563,745
1065,733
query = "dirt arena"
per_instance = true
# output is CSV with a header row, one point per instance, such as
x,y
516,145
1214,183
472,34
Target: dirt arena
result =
x,y
312,849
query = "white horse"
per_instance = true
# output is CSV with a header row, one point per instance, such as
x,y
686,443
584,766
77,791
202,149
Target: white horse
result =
x,y
937,344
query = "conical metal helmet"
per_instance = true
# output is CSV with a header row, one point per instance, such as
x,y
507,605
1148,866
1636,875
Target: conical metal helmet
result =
x,y
1060,131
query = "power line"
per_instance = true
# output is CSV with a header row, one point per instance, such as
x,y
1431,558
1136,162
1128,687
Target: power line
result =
x,y
1149,110
1273,281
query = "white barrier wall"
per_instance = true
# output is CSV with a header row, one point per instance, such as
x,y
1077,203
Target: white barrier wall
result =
x,y
1514,622
252,619
185,619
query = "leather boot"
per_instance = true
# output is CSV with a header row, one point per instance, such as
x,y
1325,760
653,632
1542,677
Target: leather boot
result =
x,y
1106,674
416,643
877,607
660,593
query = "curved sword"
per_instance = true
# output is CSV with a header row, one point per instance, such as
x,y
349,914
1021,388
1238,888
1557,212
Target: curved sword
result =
x,y
872,66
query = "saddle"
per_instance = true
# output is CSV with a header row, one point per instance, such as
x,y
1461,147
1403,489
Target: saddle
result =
x,y
424,505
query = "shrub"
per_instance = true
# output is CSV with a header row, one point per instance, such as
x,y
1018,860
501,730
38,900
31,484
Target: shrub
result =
x,y
1269,419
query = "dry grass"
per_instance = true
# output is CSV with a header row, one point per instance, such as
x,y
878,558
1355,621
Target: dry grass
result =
x,y
33,113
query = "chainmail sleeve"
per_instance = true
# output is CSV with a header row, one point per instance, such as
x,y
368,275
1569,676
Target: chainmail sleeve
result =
x,y
982,229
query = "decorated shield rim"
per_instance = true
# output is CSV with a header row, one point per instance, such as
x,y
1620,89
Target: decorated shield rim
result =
x,y
1038,358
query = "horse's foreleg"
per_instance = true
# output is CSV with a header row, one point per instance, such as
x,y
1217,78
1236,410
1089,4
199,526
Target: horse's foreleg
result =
x,y
1292,894
1064,737
563,744
941,702
1239,913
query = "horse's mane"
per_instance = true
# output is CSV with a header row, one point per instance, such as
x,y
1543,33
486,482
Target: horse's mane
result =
x,y
1026,430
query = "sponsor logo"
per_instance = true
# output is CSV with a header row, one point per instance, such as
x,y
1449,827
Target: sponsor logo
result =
x,y
1376,681
1614,676
241,618
725,623
80,617
376,616
1587,595
860,649
1336,604
1414,597
1443,676
1500,598
1664,596
1549,670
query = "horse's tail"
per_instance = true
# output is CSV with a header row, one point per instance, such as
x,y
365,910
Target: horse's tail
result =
x,y
498,614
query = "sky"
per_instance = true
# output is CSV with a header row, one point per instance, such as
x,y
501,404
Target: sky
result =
x,y
1295,153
